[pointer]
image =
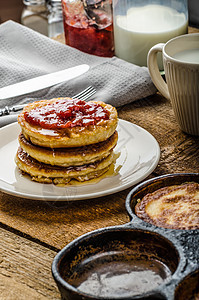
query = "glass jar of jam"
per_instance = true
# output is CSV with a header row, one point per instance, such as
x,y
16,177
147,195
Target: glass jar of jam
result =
x,y
88,26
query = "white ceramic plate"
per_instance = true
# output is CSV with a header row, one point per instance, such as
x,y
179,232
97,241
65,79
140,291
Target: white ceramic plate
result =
x,y
139,155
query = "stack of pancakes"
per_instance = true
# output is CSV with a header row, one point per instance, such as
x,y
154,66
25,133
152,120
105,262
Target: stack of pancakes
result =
x,y
64,139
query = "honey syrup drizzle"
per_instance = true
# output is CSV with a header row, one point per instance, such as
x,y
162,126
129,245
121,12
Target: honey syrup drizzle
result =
x,y
113,170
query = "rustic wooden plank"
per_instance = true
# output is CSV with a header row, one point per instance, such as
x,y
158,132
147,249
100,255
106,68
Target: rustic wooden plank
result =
x,y
59,223
11,10
193,29
25,269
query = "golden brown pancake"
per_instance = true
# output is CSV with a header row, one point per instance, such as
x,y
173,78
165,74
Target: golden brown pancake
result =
x,y
58,136
174,207
46,173
69,156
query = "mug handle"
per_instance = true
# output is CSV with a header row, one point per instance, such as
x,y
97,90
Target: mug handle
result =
x,y
154,70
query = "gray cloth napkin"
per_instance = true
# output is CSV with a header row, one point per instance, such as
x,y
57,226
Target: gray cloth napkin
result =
x,y
25,54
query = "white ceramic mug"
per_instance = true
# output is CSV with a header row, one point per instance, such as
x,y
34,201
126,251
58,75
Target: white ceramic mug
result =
x,y
181,66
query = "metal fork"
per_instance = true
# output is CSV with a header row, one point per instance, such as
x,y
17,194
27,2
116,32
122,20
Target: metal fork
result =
x,y
83,95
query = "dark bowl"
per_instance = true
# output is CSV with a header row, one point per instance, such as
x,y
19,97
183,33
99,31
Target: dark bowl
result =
x,y
188,288
151,185
115,263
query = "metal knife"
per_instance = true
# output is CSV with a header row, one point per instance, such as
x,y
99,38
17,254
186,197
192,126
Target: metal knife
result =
x,y
41,82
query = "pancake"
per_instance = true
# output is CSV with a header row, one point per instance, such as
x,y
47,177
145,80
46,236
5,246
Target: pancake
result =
x,y
69,156
174,207
64,122
58,175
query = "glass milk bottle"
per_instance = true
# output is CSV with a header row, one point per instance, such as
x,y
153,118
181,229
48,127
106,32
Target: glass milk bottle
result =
x,y
140,24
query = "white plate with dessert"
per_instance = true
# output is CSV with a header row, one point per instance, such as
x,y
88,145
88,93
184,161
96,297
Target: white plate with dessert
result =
x,y
137,153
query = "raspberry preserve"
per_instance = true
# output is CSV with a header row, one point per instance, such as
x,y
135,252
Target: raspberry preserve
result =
x,y
66,113
94,34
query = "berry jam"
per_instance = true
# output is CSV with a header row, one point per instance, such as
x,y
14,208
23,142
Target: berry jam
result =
x,y
82,33
66,113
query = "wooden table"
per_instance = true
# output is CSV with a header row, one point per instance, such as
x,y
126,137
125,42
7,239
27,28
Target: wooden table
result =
x,y
32,232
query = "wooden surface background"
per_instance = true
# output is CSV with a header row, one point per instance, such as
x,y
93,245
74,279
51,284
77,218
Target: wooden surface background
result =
x,y
11,10
32,232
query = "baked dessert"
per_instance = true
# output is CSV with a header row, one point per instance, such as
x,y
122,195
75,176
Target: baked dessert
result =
x,y
66,139
175,206
66,122
75,156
